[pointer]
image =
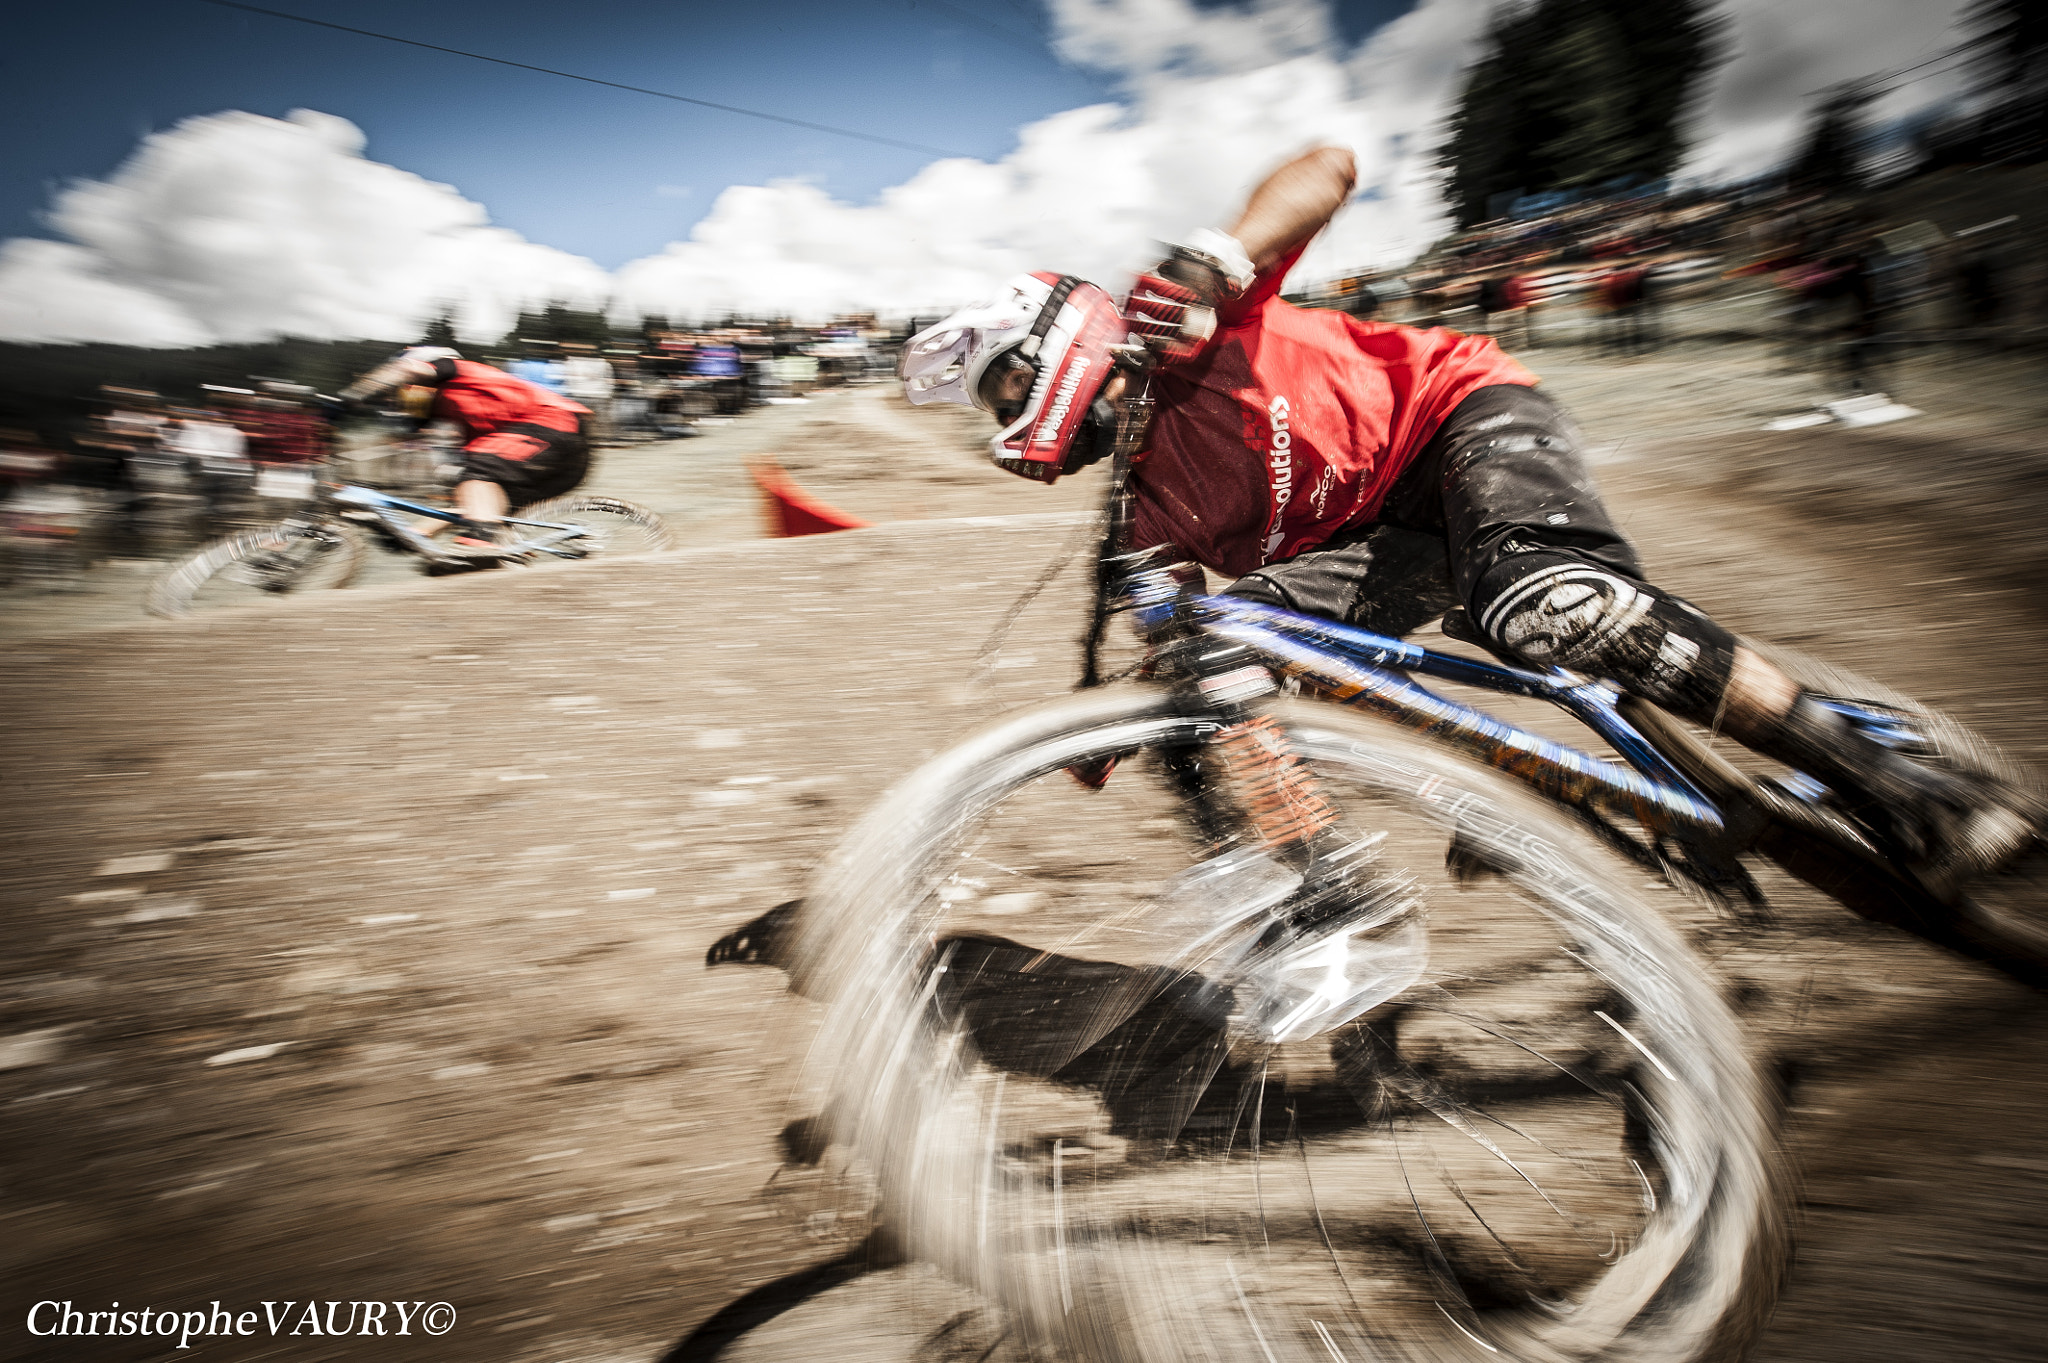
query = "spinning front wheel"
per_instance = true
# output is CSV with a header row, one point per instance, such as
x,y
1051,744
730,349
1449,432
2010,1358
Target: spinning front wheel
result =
x,y
1550,1144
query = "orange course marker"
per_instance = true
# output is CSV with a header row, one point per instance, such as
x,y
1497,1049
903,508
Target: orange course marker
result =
x,y
791,510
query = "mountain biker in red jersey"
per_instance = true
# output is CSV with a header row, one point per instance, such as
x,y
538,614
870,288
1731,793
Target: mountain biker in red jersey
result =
x,y
524,443
1380,475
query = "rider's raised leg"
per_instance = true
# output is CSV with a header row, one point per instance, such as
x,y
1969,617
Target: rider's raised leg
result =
x,y
484,503
1549,578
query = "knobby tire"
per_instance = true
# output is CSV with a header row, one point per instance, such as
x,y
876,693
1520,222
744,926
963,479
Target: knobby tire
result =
x,y
174,593
650,534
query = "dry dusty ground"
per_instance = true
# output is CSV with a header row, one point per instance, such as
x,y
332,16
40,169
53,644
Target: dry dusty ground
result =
x,y
355,945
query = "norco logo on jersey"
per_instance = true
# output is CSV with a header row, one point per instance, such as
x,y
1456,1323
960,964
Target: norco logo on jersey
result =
x,y
1320,498
1280,469
1049,428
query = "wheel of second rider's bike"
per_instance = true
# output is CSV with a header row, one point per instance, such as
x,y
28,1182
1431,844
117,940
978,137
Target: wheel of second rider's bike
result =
x,y
1552,1144
612,526
286,559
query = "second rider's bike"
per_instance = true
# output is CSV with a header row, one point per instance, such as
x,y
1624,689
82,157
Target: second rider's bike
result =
x,y
322,547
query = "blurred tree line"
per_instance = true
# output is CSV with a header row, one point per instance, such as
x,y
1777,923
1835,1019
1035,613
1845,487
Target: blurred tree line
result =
x,y
45,384
535,332
48,386
1576,95
1830,159
2002,119
1592,95
2005,121
556,324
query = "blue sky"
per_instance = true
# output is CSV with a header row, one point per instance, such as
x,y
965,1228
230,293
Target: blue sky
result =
x,y
600,173
193,210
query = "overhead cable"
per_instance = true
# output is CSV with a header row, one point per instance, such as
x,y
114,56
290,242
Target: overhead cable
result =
x,y
593,80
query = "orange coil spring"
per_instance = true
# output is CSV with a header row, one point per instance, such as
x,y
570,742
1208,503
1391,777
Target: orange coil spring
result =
x,y
1279,793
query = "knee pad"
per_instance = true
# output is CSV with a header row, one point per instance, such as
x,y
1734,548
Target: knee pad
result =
x,y
1557,610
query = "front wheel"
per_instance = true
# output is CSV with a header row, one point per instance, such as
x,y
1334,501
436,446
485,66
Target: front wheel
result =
x,y
601,527
284,559
1551,1145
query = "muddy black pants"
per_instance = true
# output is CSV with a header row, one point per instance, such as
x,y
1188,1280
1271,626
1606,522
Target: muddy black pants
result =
x,y
1498,513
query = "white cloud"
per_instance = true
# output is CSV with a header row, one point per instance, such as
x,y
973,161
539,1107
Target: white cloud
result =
x,y
1782,53
234,226
1215,98
54,291
1148,41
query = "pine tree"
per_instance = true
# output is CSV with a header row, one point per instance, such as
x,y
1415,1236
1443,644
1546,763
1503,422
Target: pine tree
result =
x,y
1486,153
441,331
1576,94
1830,160
1590,105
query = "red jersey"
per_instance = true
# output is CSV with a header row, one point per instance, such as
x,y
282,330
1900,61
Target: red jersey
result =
x,y
496,410
1293,423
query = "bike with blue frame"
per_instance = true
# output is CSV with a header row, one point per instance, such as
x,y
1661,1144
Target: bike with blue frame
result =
x,y
323,547
1272,1005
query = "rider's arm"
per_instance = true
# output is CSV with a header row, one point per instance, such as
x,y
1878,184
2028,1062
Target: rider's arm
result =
x,y
393,374
1294,203
1173,308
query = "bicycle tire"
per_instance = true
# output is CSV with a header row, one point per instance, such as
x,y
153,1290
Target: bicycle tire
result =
x,y
911,1070
615,526
202,579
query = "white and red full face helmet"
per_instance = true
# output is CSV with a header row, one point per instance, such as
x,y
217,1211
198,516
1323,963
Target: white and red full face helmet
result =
x,y
1065,330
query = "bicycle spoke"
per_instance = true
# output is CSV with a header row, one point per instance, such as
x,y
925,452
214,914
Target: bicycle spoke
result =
x,y
1322,1228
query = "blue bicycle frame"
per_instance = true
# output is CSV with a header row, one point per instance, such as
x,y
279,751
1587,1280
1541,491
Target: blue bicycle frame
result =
x,y
1363,669
1360,668
387,509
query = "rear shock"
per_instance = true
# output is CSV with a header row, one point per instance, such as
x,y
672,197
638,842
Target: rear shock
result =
x,y
1280,796
1275,793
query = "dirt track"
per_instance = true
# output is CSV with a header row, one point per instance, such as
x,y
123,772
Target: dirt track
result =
x,y
356,944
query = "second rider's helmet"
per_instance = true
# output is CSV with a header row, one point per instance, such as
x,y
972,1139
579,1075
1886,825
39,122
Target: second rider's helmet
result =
x,y
1067,332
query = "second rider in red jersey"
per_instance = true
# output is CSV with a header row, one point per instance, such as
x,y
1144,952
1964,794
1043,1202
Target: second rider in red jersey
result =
x,y
524,443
